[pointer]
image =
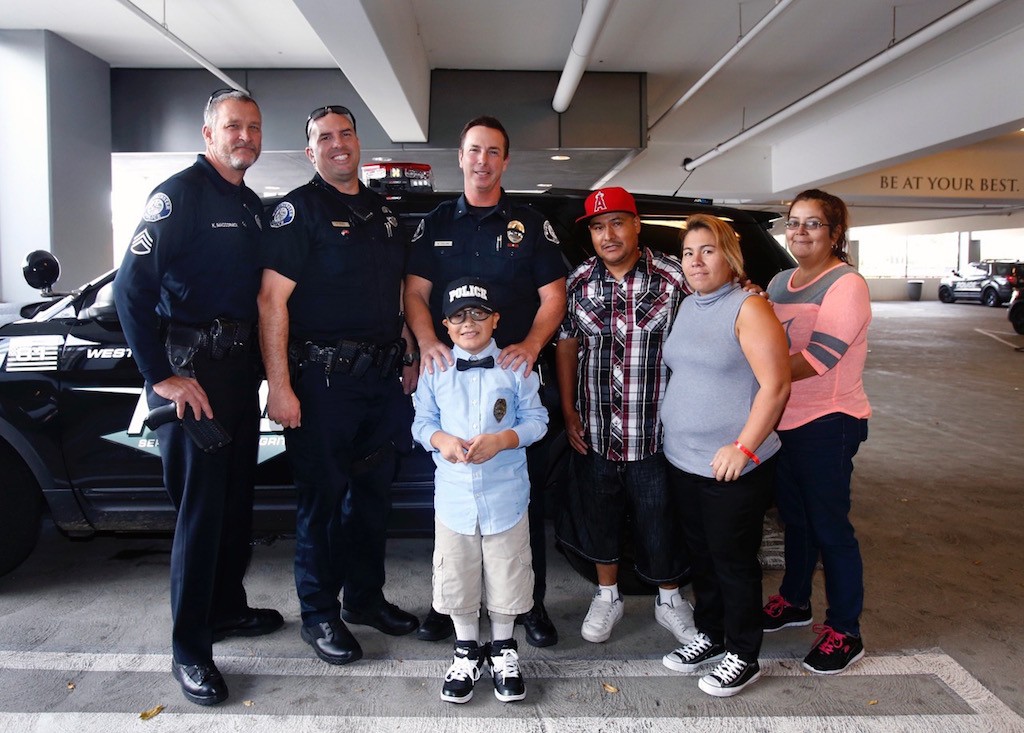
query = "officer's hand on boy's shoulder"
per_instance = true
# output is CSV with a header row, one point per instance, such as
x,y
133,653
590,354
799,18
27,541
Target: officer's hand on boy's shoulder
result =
x,y
435,354
515,354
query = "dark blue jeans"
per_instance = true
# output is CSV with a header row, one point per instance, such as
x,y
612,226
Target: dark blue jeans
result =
x,y
813,496
723,522
343,462
606,491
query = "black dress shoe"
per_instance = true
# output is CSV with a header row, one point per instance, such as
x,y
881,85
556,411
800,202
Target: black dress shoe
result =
x,y
254,622
201,683
435,627
539,629
387,617
332,642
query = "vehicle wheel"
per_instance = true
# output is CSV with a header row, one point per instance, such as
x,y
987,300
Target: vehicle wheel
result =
x,y
946,294
1016,317
22,505
990,297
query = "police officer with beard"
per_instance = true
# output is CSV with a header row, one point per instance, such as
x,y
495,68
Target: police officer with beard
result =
x,y
186,298
330,328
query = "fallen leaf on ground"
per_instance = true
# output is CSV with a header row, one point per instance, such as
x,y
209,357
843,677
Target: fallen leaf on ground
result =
x,y
248,703
609,688
151,713
71,685
872,702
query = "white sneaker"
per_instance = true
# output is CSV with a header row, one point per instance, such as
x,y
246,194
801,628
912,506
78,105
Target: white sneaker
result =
x,y
677,618
604,613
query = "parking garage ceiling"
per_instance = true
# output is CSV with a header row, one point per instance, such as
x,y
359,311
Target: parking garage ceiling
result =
x,y
911,110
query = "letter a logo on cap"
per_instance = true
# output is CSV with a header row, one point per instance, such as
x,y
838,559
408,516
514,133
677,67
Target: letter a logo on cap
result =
x,y
599,204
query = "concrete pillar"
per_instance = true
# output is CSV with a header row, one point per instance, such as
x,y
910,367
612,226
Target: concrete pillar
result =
x,y
55,159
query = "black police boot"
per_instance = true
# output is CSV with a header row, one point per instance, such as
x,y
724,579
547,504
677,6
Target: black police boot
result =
x,y
200,683
253,622
332,642
386,617
539,629
435,627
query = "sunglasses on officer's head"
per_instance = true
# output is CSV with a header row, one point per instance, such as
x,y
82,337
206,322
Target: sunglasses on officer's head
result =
x,y
218,94
330,109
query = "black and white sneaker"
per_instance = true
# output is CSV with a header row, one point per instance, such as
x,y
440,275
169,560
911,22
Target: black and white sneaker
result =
x,y
508,679
697,652
467,663
730,676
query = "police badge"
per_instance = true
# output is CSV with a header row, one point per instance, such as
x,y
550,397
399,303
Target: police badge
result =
x,y
500,408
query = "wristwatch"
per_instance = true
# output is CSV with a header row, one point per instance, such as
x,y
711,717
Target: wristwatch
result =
x,y
411,358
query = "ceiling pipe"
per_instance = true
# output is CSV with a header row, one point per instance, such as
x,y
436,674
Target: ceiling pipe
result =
x,y
771,15
595,15
184,47
930,32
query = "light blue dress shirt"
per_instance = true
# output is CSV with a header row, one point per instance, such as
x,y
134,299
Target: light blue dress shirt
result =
x,y
492,495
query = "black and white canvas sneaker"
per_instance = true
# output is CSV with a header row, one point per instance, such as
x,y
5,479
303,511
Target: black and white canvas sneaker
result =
x,y
697,652
467,663
730,677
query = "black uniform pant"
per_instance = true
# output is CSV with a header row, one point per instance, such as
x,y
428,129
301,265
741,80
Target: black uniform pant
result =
x,y
213,493
723,522
343,463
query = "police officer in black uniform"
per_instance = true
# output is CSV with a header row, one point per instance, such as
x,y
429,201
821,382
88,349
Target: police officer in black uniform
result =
x,y
186,297
484,234
330,308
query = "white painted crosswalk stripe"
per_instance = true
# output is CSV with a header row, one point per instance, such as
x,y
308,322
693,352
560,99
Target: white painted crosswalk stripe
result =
x,y
987,711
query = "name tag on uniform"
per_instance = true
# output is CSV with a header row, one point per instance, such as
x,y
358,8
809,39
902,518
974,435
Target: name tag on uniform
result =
x,y
442,243
340,224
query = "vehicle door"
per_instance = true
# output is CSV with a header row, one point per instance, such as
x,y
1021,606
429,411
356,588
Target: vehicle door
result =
x,y
970,282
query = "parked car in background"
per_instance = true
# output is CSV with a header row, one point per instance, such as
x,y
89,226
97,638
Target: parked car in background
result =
x,y
72,439
991,282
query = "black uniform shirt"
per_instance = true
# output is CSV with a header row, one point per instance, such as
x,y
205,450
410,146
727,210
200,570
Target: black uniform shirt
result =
x,y
345,253
513,248
194,257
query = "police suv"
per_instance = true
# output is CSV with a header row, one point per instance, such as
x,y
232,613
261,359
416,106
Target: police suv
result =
x,y
73,444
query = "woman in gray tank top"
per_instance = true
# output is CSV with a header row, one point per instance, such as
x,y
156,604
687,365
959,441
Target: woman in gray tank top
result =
x,y
730,380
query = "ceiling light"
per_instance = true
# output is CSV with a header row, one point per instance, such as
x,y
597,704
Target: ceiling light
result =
x,y
560,157
381,159
545,185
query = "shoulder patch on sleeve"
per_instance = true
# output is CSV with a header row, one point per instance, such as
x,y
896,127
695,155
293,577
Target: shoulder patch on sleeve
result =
x,y
142,243
284,214
419,231
158,207
549,232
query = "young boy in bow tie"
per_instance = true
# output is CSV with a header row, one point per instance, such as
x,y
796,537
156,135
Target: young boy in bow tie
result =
x,y
476,419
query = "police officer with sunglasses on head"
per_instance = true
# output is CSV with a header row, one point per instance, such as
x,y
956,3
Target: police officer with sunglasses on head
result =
x,y
331,332
186,298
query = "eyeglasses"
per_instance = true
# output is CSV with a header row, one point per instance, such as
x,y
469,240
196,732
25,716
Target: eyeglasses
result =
x,y
330,109
811,225
477,314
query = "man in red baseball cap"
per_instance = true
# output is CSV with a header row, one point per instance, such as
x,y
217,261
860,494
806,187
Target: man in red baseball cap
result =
x,y
611,377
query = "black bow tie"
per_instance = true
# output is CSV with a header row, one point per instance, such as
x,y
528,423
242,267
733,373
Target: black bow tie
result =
x,y
464,364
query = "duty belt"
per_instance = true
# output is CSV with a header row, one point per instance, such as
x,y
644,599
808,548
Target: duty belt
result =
x,y
219,339
355,357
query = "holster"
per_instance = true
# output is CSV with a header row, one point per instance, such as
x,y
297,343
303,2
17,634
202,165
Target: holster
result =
x,y
183,343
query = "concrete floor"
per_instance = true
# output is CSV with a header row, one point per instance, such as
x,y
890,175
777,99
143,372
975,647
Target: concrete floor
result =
x,y
938,495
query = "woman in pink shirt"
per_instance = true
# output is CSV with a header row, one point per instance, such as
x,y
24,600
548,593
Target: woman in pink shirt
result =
x,y
824,306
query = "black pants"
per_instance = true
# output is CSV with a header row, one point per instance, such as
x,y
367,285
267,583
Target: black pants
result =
x,y
343,462
213,493
723,522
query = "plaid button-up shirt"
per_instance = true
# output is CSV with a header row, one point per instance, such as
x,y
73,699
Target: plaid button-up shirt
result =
x,y
620,326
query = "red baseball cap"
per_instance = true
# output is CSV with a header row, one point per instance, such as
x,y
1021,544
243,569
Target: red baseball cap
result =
x,y
605,200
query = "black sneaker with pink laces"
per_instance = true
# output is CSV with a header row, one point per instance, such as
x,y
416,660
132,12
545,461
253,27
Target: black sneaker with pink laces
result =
x,y
778,613
833,652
